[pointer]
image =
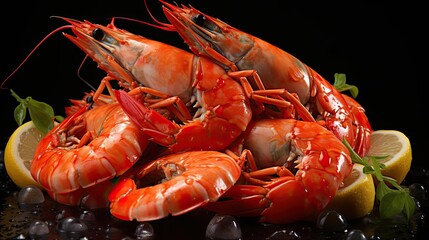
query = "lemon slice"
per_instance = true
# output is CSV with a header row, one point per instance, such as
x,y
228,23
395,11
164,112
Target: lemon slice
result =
x,y
355,198
19,153
397,147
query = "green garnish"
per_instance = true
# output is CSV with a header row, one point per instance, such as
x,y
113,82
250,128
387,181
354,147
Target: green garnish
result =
x,y
41,113
392,201
341,85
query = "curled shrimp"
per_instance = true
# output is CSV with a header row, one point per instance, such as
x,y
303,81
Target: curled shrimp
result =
x,y
174,184
236,50
296,170
87,148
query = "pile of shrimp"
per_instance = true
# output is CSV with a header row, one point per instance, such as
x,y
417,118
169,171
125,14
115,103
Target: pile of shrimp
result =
x,y
236,125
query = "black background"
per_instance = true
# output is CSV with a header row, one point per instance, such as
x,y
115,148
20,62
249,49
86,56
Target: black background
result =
x,y
381,49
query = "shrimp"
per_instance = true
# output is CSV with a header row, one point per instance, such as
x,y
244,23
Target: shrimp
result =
x,y
174,184
296,170
237,50
87,148
218,103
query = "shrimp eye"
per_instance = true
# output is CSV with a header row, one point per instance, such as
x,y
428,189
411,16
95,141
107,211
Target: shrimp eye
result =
x,y
89,99
98,34
203,22
200,20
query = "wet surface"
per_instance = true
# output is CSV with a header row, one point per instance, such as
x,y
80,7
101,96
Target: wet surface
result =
x,y
20,221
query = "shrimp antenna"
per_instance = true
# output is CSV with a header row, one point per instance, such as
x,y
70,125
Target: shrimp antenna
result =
x,y
33,50
159,24
81,78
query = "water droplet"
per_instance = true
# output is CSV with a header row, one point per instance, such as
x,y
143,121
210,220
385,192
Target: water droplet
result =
x,y
223,227
331,221
87,216
356,234
20,236
38,230
145,231
284,234
30,195
71,227
189,181
36,212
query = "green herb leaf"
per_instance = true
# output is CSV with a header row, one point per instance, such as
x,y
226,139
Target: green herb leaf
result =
x,y
409,206
20,110
354,156
341,85
368,170
392,204
381,190
59,118
19,113
392,182
41,113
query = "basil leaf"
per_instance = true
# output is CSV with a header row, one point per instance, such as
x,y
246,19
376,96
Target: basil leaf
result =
x,y
409,206
20,110
41,114
392,204
19,113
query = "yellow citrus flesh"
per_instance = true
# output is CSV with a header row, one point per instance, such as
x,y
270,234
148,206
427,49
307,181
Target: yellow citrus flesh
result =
x,y
19,153
355,198
396,146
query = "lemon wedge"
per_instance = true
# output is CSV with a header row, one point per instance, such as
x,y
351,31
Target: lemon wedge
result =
x,y
356,197
19,153
396,146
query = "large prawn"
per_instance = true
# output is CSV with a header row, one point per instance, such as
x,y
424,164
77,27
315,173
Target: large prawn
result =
x,y
91,146
219,105
296,170
174,184
237,50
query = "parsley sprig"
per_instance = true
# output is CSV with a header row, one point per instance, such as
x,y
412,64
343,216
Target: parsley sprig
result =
x,y
41,114
341,85
392,200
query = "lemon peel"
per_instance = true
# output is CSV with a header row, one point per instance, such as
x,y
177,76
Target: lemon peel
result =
x,y
19,153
